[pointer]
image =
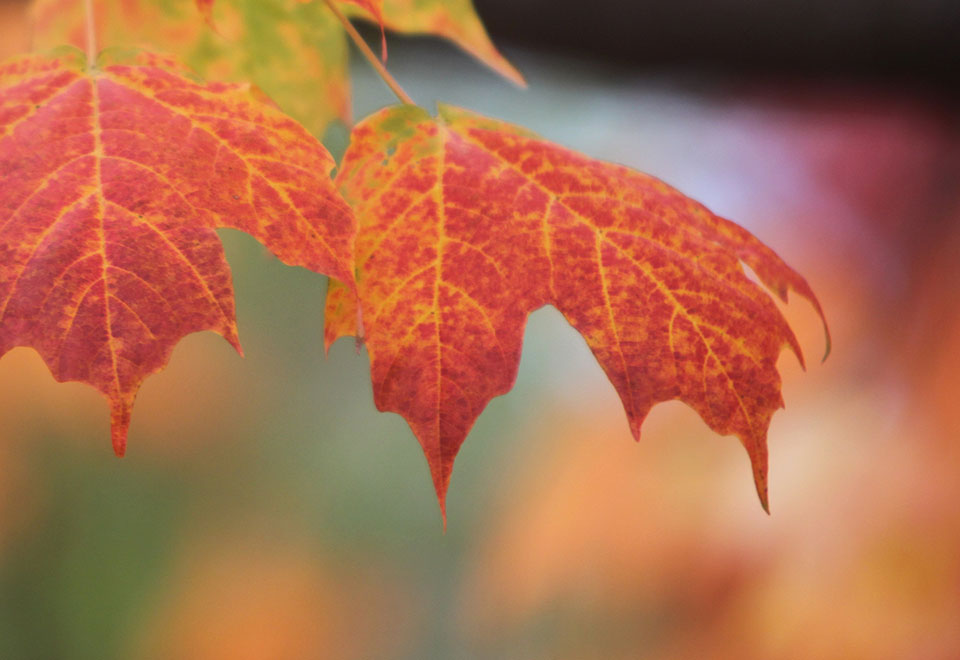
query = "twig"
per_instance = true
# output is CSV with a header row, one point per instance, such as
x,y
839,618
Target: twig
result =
x,y
367,53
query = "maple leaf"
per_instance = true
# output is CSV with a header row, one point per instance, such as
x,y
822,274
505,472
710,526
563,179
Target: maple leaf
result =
x,y
114,179
467,224
295,51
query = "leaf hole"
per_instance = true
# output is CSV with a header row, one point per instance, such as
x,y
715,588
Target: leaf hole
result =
x,y
752,275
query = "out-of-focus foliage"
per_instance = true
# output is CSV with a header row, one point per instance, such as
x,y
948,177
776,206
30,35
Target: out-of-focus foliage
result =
x,y
862,556
254,594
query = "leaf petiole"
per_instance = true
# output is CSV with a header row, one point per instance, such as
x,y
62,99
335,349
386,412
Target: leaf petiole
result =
x,y
91,35
367,53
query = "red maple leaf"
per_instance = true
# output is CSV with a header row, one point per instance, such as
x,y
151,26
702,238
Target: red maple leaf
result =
x,y
114,179
468,224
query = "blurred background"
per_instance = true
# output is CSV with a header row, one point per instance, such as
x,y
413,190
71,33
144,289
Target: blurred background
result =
x,y
266,510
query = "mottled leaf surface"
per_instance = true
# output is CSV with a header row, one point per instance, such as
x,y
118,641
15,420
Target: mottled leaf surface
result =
x,y
467,224
114,180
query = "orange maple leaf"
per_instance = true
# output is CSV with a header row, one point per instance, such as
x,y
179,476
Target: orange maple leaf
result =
x,y
114,179
468,224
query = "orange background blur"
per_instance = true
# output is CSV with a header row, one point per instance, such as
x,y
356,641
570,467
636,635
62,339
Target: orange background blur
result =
x,y
266,510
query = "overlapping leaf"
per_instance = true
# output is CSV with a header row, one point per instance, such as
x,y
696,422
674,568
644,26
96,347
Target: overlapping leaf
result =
x,y
455,20
374,8
295,51
467,224
114,179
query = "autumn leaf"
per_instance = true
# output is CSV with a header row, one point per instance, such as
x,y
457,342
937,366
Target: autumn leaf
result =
x,y
455,20
468,224
115,178
295,51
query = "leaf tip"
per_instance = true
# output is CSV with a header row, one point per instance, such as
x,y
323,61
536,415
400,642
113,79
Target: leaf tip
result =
x,y
233,338
119,425
828,340
441,483
635,418
502,65
758,461
810,296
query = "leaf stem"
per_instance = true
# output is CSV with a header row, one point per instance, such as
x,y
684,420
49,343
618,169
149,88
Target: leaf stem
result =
x,y
367,53
91,34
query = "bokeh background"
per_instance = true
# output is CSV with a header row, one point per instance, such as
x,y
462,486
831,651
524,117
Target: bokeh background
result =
x,y
266,510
